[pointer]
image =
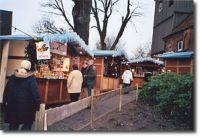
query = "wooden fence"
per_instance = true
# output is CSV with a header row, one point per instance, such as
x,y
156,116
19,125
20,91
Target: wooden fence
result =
x,y
45,118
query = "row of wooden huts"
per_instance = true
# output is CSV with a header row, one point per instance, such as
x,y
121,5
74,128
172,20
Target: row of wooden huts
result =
x,y
66,50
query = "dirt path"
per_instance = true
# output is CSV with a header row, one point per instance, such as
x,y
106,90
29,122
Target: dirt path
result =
x,y
136,117
81,119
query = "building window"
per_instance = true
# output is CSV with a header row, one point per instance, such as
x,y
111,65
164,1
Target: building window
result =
x,y
171,2
180,46
160,6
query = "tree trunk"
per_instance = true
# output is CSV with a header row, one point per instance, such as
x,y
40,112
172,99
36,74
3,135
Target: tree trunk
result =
x,y
81,16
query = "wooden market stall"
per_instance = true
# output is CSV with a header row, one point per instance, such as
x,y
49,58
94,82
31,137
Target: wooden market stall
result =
x,y
52,73
143,66
108,65
179,62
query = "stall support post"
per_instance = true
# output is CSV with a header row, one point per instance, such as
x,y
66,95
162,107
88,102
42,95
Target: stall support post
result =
x,y
3,69
92,110
40,120
120,98
136,92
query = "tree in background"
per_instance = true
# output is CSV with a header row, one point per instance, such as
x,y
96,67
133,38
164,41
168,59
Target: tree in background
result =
x,y
142,51
80,13
81,17
106,7
109,40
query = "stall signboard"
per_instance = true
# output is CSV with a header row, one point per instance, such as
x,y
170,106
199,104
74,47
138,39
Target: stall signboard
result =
x,y
43,51
59,48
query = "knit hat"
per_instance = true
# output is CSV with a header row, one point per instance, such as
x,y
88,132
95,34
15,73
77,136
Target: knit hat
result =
x,y
26,64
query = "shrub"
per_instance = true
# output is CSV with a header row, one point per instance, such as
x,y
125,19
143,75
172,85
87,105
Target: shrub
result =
x,y
171,94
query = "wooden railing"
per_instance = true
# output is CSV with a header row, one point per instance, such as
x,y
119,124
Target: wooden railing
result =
x,y
45,118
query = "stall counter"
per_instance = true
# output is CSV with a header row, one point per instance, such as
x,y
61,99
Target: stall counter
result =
x,y
53,90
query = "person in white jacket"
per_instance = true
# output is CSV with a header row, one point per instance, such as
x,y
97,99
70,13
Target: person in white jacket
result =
x,y
74,83
127,78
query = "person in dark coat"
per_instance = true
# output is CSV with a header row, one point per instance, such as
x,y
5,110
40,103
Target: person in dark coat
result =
x,y
21,98
84,85
90,76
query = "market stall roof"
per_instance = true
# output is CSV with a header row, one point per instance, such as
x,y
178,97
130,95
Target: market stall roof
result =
x,y
112,53
104,52
147,59
69,37
177,55
122,52
20,37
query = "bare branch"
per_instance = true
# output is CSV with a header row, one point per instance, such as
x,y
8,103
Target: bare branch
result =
x,y
47,26
102,2
95,12
58,5
115,2
58,14
101,10
93,26
129,15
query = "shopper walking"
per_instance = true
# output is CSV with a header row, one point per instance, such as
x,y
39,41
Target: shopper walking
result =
x,y
74,83
21,98
127,78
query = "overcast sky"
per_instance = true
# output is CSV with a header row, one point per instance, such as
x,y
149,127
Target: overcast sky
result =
x,y
27,12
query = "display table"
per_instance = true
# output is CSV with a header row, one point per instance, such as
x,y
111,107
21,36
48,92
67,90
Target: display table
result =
x,y
53,91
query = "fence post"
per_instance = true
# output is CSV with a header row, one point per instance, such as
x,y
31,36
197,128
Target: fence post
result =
x,y
136,92
120,98
45,121
91,110
40,116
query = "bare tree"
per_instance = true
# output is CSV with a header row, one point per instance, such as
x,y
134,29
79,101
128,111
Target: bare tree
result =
x,y
80,13
107,10
81,18
109,40
47,26
143,51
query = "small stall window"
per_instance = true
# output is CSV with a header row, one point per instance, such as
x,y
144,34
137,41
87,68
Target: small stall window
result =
x,y
139,72
111,67
57,67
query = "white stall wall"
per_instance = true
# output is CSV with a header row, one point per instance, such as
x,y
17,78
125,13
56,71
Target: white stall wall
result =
x,y
17,49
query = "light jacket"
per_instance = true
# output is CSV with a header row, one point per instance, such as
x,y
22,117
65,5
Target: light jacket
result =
x,y
127,77
74,81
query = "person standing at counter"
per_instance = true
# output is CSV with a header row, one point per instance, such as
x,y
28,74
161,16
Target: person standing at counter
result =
x,y
74,83
84,85
21,98
90,76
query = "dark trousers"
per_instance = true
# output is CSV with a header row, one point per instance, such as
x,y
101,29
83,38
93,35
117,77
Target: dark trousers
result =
x,y
89,87
126,86
26,126
74,97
